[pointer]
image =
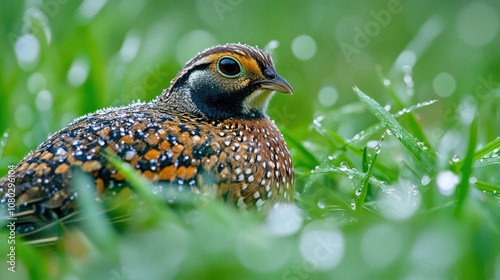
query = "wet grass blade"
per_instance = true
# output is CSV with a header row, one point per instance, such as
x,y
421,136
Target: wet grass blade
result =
x,y
308,157
352,173
142,187
487,187
424,157
490,147
487,161
466,170
367,169
376,128
479,156
96,225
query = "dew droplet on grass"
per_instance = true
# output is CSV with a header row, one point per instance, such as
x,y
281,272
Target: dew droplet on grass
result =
x,y
343,166
425,180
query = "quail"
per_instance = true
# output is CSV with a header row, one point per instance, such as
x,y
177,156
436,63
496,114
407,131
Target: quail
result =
x,y
207,132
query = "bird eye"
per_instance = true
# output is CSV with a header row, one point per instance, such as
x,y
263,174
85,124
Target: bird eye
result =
x,y
229,67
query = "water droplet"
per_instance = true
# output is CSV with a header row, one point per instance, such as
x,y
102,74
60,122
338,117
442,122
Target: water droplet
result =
x,y
425,180
455,158
317,121
389,132
343,166
322,204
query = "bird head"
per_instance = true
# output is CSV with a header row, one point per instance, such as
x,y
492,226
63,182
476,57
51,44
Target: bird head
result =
x,y
227,81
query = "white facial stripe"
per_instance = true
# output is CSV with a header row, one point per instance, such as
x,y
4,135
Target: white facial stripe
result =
x,y
259,99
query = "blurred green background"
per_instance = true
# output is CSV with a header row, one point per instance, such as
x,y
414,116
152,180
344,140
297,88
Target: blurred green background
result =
x,y
61,59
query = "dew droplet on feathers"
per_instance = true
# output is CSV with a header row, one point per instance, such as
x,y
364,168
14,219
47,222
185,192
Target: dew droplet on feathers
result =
x,y
259,203
60,152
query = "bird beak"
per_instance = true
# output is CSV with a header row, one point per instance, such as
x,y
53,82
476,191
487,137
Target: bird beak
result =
x,y
276,84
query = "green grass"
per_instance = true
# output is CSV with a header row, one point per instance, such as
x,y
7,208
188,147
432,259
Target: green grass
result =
x,y
389,185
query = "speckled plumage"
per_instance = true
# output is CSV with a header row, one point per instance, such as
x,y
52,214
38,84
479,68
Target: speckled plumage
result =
x,y
207,133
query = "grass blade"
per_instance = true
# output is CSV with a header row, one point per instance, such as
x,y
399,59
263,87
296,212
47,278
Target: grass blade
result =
x,y
353,173
376,128
143,189
487,187
487,161
426,159
463,186
480,154
367,169
310,159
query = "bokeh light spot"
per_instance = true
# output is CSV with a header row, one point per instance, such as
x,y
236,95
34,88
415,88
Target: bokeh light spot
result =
x,y
78,72
447,182
304,47
328,96
434,250
27,49
23,116
191,43
130,46
44,100
90,8
36,82
444,84
380,246
477,24
259,251
284,219
321,246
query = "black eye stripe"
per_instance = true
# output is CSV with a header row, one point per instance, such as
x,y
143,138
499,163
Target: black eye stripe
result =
x,y
229,67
